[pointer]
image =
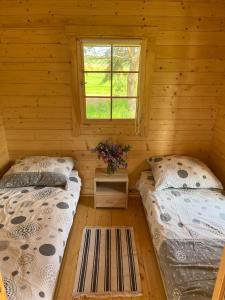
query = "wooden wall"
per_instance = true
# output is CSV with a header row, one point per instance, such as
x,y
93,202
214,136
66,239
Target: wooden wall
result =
x,y
4,157
35,72
217,153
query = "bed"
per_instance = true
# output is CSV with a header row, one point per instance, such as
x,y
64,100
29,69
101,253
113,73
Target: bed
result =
x,y
35,222
188,232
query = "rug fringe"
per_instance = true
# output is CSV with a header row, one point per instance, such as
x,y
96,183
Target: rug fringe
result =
x,y
109,294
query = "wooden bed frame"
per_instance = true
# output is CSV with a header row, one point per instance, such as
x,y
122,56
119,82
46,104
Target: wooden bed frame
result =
x,y
2,289
219,290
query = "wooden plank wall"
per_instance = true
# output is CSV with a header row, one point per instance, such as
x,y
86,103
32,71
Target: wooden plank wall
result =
x,y
35,72
4,156
217,153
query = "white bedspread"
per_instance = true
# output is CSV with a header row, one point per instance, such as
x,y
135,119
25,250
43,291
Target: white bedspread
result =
x,y
188,230
183,213
34,226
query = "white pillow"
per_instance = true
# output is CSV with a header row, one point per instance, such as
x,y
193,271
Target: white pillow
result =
x,y
177,171
38,171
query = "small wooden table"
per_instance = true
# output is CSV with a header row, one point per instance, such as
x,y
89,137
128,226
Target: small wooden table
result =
x,y
111,190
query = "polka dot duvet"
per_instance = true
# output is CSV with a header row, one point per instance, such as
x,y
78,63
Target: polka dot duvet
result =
x,y
34,226
188,232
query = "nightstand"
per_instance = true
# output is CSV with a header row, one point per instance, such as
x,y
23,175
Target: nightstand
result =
x,y
111,190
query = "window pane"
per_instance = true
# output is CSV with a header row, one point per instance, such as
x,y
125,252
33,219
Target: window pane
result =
x,y
126,58
125,84
124,108
98,108
97,58
97,84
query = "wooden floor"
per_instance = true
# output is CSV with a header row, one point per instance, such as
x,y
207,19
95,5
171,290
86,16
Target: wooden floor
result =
x,y
133,216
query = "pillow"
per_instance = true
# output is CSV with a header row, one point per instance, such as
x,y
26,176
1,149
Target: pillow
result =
x,y
73,182
38,171
182,172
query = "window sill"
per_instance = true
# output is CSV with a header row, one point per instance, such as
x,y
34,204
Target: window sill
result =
x,y
112,128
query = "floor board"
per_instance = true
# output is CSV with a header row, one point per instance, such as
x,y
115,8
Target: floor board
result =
x,y
134,215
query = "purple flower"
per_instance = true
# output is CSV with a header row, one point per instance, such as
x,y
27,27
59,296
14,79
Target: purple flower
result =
x,y
112,154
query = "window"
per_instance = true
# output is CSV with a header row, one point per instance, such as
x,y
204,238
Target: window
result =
x,y
110,78
111,68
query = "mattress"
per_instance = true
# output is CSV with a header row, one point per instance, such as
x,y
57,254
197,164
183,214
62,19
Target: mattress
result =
x,y
188,232
34,226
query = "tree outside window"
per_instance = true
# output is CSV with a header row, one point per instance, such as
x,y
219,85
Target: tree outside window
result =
x,y
111,79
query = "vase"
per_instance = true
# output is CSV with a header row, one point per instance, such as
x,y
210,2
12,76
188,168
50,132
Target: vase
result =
x,y
111,169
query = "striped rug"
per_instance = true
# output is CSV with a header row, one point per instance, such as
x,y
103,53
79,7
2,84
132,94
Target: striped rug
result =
x,y
107,263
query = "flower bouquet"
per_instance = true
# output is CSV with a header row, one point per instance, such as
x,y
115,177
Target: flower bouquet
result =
x,y
114,155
